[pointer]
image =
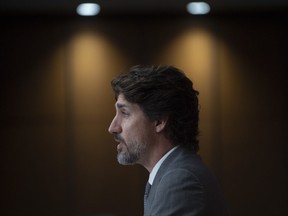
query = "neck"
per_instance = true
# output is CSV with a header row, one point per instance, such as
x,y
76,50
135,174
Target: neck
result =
x,y
156,152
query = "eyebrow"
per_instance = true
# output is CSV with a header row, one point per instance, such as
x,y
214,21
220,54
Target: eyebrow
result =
x,y
120,105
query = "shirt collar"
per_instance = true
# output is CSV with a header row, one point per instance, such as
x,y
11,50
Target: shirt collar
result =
x,y
158,164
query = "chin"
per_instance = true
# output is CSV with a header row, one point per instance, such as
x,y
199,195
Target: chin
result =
x,y
124,159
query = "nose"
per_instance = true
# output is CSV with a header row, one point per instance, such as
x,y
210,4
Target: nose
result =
x,y
114,127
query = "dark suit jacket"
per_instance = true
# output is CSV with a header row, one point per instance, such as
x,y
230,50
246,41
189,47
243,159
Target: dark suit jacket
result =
x,y
183,186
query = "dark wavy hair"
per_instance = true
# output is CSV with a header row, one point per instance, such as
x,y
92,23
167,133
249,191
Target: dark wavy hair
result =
x,y
163,91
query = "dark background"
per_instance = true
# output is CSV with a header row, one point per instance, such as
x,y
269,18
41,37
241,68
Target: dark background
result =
x,y
56,156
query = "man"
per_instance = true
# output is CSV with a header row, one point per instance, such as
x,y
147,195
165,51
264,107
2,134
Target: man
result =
x,y
156,126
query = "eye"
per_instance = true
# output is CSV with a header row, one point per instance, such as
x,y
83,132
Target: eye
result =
x,y
124,112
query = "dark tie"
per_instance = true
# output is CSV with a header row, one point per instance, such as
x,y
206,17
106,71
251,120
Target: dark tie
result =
x,y
147,189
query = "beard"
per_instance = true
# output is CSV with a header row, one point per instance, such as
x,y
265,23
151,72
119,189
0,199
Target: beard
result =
x,y
127,158
131,154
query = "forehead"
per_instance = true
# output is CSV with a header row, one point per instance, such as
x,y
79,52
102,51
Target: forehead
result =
x,y
133,108
121,99
122,102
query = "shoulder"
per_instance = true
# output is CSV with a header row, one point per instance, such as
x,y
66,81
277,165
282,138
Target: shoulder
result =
x,y
183,185
183,169
178,192
183,160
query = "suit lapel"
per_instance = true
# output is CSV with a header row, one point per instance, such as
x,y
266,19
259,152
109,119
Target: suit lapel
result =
x,y
162,170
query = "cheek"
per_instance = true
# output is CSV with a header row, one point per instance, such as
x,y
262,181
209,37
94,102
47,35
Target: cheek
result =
x,y
137,131
143,134
128,132
133,134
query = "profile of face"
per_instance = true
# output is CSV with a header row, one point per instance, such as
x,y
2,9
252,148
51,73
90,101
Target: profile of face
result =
x,y
133,132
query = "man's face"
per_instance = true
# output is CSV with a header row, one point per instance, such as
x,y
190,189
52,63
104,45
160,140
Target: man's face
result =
x,y
133,132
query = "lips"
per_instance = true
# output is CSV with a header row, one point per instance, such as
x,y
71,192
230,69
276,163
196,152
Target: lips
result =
x,y
119,148
120,142
118,139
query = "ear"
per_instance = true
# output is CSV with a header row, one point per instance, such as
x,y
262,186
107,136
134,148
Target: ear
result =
x,y
160,124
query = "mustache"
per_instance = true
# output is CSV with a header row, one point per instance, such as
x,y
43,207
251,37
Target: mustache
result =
x,y
118,138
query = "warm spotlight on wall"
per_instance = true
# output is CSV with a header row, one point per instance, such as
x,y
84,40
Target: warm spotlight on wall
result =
x,y
198,8
88,9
